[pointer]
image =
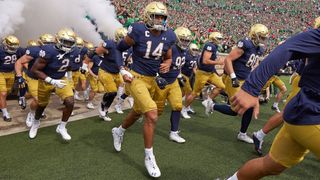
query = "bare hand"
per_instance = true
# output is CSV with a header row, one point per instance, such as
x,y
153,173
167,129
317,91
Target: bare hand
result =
x,y
164,67
242,101
127,79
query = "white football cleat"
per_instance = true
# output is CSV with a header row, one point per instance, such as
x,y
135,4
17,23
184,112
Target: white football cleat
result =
x,y
174,136
64,133
204,103
102,110
34,129
152,167
105,118
118,108
29,119
90,105
77,97
117,139
245,138
184,113
209,107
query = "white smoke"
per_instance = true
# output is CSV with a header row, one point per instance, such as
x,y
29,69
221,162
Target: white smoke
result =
x,y
28,19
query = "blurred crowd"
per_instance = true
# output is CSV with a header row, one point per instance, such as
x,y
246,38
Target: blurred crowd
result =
x,y
231,17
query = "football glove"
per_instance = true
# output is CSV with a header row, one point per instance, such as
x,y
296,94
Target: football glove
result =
x,y
125,72
161,82
56,83
22,86
84,68
235,82
182,80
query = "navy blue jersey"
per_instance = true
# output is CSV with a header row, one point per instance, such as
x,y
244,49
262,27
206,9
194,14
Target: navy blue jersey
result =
x,y
245,63
300,66
77,63
191,62
32,51
7,60
112,61
125,57
149,49
58,62
178,60
213,48
304,108
96,60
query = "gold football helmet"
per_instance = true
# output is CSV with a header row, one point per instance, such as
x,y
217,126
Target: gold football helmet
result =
x,y
10,44
79,42
184,37
66,39
194,49
215,37
47,39
259,33
316,23
151,16
120,33
89,46
33,43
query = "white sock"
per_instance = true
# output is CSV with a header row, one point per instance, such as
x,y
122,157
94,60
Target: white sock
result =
x,y
148,152
243,134
260,135
183,98
234,177
63,124
33,112
120,91
121,129
76,93
275,104
5,112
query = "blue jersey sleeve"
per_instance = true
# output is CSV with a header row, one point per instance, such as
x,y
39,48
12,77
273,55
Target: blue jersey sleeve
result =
x,y
242,44
303,45
134,31
45,54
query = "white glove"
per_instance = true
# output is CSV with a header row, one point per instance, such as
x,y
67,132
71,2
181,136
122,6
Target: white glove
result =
x,y
56,83
84,68
125,72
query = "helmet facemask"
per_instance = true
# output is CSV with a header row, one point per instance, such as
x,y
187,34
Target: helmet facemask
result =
x,y
9,47
157,22
65,44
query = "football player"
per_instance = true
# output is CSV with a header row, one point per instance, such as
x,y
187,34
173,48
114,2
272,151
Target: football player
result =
x,y
239,63
28,59
75,68
300,133
9,53
151,41
109,75
189,70
172,91
94,65
50,68
276,120
279,84
206,71
120,34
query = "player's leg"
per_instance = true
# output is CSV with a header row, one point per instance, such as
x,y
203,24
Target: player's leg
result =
x,y
66,94
110,87
175,99
93,90
283,89
6,85
201,79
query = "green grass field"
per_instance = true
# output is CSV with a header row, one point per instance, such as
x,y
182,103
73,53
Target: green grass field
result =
x,y
211,151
